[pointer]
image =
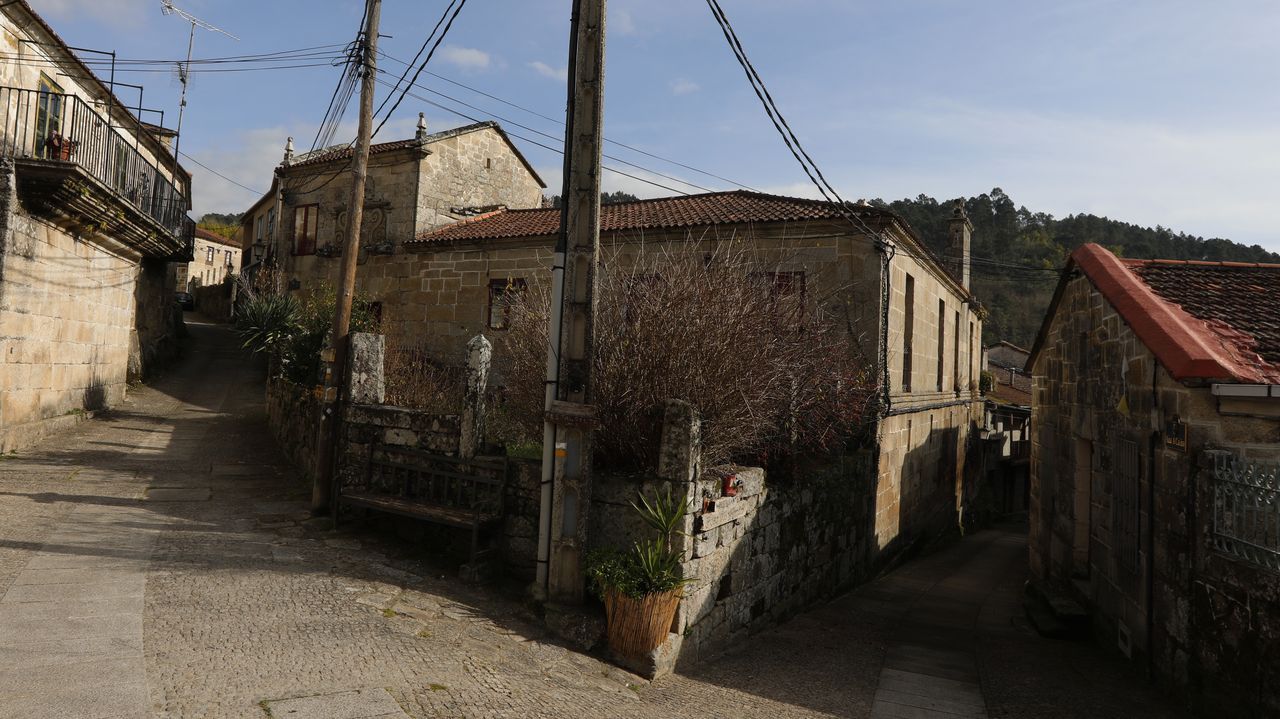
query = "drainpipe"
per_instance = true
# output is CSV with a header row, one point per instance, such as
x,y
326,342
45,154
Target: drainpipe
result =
x,y
887,252
541,588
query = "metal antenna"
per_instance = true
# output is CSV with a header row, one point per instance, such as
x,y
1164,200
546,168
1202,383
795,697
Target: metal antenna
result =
x,y
184,70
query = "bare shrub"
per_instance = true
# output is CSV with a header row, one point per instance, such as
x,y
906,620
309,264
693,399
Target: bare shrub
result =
x,y
731,333
416,380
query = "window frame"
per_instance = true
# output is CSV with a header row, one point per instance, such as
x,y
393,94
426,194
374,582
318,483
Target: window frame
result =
x,y
908,329
305,243
499,289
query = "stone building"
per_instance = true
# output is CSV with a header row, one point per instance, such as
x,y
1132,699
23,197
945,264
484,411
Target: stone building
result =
x,y
413,185
458,276
214,258
1155,457
92,209
455,226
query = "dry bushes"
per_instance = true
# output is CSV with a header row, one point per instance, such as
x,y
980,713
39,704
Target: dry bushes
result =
x,y
748,345
415,380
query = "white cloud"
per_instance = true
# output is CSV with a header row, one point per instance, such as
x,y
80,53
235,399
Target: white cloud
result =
x,y
682,86
466,58
1214,181
555,73
250,157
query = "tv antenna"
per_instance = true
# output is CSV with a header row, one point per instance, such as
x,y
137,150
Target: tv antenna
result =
x,y
184,69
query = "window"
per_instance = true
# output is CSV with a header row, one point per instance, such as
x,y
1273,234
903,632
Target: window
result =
x,y
942,339
231,261
908,330
786,294
971,358
49,119
502,294
305,219
260,236
208,255
955,355
1127,504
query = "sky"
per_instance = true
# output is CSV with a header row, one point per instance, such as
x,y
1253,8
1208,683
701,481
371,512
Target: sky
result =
x,y
1156,112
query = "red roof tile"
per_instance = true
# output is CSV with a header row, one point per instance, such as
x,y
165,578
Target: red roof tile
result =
x,y
342,152
1204,320
215,237
716,208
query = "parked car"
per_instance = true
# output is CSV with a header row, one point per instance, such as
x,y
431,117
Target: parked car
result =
x,y
185,300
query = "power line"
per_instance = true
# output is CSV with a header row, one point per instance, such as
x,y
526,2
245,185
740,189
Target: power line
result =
x,y
544,146
784,128
427,59
409,65
219,174
560,123
554,138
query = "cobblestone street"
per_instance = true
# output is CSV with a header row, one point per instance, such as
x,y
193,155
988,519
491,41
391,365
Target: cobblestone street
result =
x,y
159,561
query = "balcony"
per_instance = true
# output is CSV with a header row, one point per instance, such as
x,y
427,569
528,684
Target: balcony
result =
x,y
77,168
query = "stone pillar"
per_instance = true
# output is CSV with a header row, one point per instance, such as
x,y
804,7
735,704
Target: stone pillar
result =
x,y
479,353
368,383
679,457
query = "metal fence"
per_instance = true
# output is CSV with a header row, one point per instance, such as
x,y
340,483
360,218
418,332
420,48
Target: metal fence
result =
x,y
44,125
1246,509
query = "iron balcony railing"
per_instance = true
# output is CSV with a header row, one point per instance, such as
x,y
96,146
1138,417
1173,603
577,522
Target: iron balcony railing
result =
x,y
43,125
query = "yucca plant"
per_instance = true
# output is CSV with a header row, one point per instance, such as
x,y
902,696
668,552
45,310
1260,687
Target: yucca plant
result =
x,y
267,322
641,588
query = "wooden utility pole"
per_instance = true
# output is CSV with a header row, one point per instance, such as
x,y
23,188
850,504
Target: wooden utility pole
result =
x,y
566,452
335,375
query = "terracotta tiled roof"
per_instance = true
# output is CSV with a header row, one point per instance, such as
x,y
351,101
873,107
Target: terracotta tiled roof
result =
x,y
1008,394
716,208
342,152
1239,300
215,238
1202,320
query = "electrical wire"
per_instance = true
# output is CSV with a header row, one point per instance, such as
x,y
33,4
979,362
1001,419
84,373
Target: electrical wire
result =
x,y
219,174
409,65
560,123
536,143
554,138
427,59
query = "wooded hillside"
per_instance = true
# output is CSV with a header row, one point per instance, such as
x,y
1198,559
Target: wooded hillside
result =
x,y
1016,252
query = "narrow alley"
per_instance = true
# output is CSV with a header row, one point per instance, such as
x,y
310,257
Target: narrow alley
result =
x,y
159,561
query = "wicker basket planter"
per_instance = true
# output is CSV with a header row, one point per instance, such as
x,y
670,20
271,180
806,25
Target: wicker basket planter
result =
x,y
638,626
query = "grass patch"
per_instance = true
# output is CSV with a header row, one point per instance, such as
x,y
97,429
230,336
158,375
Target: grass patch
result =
x,y
525,450
437,687
389,613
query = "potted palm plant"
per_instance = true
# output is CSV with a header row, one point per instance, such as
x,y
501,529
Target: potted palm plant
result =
x,y
641,588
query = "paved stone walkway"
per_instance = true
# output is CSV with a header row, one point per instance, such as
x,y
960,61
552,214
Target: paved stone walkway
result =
x,y
160,562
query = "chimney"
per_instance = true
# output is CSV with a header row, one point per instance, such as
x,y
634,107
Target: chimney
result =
x,y
421,134
959,232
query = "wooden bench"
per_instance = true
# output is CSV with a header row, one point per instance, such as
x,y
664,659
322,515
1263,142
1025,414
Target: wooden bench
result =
x,y
436,488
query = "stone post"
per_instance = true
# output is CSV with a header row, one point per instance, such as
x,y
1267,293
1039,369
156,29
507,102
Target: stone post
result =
x,y
368,383
479,353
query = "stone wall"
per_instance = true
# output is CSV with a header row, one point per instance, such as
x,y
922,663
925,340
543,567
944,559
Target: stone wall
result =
x,y
216,301
753,559
158,331
1122,520
293,413
67,323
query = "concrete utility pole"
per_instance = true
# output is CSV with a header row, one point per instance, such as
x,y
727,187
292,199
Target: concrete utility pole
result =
x,y
322,491
570,418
